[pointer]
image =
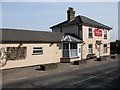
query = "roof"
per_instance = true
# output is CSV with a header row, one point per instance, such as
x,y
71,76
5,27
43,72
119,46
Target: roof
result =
x,y
73,35
16,35
82,20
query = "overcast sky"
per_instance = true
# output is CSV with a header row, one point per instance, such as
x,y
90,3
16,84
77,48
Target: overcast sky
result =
x,y
41,15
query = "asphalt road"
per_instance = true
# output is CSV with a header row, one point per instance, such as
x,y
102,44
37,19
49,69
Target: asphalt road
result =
x,y
97,76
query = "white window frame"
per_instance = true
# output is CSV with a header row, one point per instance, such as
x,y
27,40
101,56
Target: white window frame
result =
x,y
90,33
105,34
37,48
90,50
105,48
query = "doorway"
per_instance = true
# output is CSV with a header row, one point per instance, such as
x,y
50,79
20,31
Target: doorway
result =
x,y
79,52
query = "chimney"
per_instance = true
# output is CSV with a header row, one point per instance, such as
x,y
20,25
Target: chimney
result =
x,y
70,14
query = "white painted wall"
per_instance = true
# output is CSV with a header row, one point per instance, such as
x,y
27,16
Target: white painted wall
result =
x,y
93,41
50,55
74,29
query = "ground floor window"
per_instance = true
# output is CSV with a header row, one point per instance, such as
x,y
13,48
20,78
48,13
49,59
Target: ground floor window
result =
x,y
90,48
73,45
65,45
105,48
70,50
37,50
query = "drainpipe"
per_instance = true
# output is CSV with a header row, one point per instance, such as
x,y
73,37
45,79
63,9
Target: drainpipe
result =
x,y
69,51
62,50
82,50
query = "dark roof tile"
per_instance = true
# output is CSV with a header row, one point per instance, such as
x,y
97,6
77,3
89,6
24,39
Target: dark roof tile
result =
x,y
30,36
83,21
16,35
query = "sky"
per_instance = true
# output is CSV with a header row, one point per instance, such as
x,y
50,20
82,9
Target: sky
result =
x,y
42,15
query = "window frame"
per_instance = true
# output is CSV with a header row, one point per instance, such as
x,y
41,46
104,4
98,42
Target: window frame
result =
x,y
65,46
73,45
37,48
105,34
90,50
58,30
105,50
90,33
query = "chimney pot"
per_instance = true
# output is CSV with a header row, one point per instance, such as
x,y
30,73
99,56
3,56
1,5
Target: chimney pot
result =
x,y
70,14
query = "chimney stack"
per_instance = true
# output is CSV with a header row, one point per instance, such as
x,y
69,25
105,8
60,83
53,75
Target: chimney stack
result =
x,y
70,14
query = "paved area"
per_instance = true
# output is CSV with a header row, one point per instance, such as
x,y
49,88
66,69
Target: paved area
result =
x,y
64,69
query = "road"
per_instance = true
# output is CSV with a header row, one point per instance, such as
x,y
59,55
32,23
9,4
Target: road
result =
x,y
95,76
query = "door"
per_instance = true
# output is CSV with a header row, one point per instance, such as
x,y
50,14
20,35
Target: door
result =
x,y
65,50
79,51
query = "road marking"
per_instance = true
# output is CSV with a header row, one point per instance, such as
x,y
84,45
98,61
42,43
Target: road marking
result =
x,y
64,69
41,74
29,77
75,68
20,78
92,77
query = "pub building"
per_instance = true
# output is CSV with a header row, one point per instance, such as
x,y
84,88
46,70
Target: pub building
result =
x,y
95,35
76,39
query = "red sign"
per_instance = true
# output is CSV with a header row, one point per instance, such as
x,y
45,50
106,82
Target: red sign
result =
x,y
80,27
98,32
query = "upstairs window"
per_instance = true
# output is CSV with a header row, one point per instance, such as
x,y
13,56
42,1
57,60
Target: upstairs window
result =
x,y
37,50
90,33
90,48
105,48
105,34
57,30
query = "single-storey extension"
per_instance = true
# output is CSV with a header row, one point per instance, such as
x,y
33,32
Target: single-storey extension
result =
x,y
21,48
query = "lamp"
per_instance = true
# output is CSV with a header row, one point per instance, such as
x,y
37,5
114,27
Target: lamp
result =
x,y
83,43
20,44
51,44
